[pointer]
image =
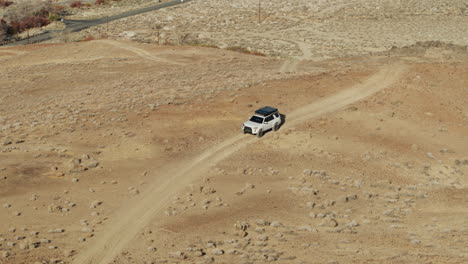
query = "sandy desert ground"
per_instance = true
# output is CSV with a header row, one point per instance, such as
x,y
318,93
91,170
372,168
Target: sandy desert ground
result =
x,y
114,151
132,153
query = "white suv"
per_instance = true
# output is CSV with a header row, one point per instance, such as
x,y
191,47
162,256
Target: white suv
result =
x,y
264,119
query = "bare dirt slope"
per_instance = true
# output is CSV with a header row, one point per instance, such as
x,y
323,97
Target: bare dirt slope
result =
x,y
119,235
131,153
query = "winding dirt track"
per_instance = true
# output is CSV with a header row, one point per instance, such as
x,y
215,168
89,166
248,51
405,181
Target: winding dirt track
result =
x,y
137,214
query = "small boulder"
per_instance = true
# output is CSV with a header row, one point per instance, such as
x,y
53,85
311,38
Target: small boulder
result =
x,y
217,251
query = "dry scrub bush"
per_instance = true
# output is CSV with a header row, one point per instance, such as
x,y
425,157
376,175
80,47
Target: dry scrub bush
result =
x,y
100,2
26,14
5,3
27,8
78,4
29,22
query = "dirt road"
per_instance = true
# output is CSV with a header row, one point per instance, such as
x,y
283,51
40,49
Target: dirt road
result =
x,y
137,214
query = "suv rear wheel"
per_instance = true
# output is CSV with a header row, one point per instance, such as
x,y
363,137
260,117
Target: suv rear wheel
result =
x,y
276,127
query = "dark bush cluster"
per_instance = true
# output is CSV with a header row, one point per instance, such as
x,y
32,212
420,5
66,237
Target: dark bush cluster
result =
x,y
5,3
76,4
27,23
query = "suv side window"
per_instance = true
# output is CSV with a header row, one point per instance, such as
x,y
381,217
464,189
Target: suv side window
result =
x,y
276,115
268,119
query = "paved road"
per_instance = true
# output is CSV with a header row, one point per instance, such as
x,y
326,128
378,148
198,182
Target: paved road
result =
x,y
78,25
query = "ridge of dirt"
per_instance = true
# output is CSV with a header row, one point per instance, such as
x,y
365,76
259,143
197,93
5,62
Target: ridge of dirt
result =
x,y
421,48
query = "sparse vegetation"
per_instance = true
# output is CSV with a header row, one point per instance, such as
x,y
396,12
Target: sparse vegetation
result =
x,y
88,38
27,14
100,2
5,3
29,22
76,4
245,50
53,17
56,12
24,15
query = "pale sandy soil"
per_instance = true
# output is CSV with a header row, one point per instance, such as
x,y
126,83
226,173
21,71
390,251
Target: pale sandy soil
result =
x,y
119,152
115,151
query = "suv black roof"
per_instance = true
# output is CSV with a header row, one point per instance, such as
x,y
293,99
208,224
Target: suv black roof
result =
x,y
267,110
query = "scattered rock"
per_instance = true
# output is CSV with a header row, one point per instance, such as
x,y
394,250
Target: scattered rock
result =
x,y
87,230
177,255
54,208
352,224
58,230
24,245
95,204
307,228
129,34
151,249
133,191
217,251
276,224
350,197
94,213
329,222
262,222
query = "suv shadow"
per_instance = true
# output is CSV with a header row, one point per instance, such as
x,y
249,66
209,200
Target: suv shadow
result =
x,y
283,120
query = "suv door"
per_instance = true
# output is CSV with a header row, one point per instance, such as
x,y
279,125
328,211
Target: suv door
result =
x,y
277,117
269,123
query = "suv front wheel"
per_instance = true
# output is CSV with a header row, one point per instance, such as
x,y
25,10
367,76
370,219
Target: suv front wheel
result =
x,y
260,133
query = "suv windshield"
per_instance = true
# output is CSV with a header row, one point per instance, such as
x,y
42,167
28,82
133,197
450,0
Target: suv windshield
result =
x,y
256,119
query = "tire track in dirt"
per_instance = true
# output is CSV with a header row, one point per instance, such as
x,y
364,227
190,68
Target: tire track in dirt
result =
x,y
140,52
137,213
289,66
